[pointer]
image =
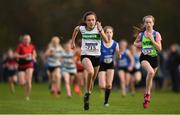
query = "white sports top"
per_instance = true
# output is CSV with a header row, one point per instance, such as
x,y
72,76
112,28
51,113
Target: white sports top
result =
x,y
91,42
54,60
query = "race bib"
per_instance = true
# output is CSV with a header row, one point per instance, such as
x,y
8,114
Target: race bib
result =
x,y
91,46
147,51
29,57
107,60
123,63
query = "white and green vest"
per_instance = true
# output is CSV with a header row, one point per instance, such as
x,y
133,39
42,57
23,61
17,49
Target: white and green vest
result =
x,y
91,42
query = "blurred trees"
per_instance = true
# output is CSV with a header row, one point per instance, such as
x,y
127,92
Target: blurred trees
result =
x,y
45,18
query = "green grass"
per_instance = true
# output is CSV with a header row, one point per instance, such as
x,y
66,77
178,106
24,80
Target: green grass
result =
x,y
42,102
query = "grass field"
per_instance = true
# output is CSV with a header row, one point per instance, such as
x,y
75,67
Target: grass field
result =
x,y
42,102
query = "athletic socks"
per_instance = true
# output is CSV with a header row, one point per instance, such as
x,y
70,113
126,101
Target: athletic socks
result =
x,y
107,93
86,101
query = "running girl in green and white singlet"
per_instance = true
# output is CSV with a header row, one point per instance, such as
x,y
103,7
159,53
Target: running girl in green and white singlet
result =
x,y
92,32
91,41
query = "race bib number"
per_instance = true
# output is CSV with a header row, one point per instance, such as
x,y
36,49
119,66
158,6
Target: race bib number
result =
x,y
123,63
107,60
91,46
147,51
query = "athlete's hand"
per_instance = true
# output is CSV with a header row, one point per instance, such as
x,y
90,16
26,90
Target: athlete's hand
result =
x,y
73,45
149,35
99,27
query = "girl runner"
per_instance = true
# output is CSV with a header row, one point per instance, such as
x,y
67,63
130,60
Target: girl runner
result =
x,y
125,65
136,72
26,55
106,71
92,32
150,43
54,54
10,64
69,68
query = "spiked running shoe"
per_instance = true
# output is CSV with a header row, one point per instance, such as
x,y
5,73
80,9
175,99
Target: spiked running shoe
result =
x,y
86,101
146,101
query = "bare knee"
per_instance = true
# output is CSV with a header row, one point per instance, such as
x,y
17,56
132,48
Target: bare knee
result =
x,y
122,82
151,73
91,73
21,83
29,84
109,86
102,86
138,80
67,82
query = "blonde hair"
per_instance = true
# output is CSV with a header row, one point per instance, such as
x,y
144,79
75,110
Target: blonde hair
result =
x,y
108,27
54,40
148,16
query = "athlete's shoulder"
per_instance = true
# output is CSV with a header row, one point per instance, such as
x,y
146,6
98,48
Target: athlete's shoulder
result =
x,y
141,34
158,36
61,48
114,41
81,27
76,28
20,45
157,33
32,46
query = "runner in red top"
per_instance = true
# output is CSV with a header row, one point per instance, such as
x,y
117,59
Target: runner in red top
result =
x,y
26,54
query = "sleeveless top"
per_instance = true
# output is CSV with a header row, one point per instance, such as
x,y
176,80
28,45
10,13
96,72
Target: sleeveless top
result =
x,y
91,41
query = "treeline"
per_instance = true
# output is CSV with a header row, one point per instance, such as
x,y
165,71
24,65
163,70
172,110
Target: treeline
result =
x,y
45,18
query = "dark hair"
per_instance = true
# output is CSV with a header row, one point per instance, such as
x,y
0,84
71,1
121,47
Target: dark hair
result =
x,y
89,13
108,27
85,16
